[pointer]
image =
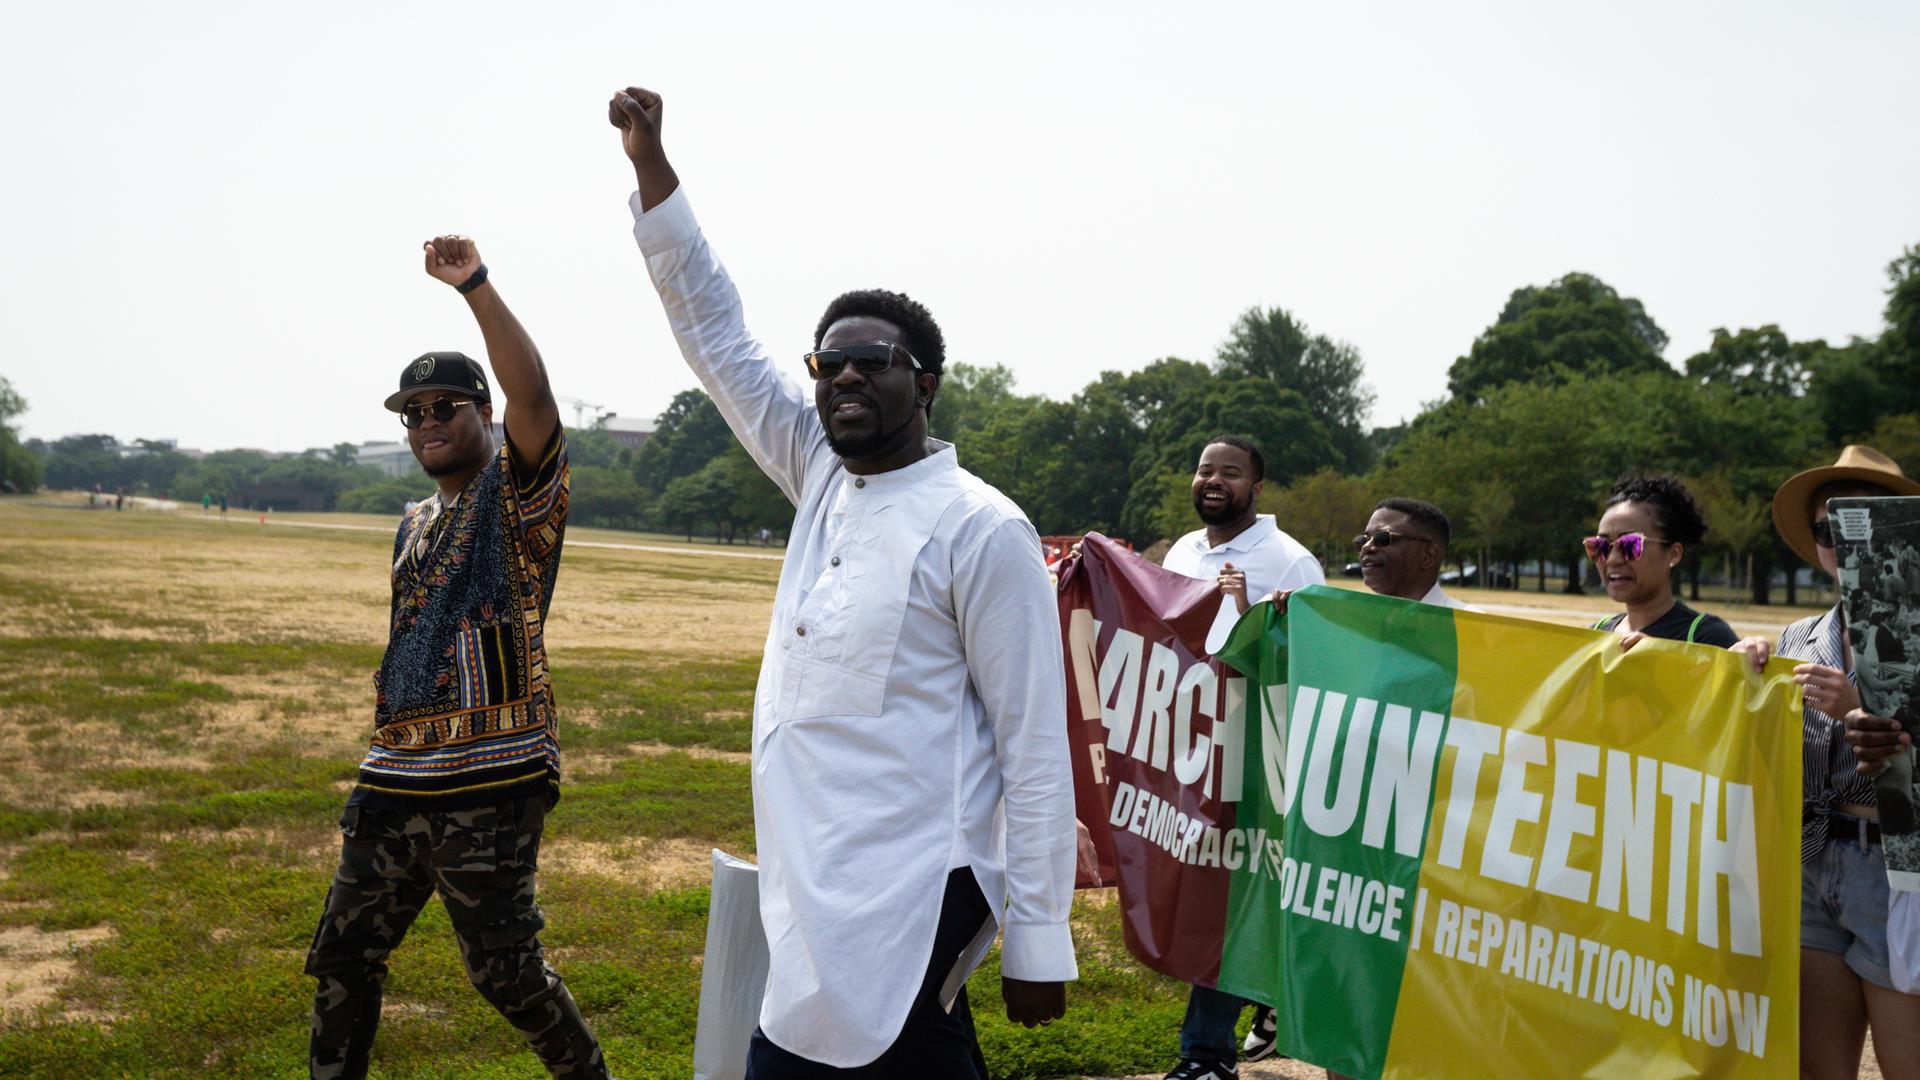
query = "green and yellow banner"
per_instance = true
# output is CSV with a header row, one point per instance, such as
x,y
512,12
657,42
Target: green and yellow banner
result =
x,y
1461,845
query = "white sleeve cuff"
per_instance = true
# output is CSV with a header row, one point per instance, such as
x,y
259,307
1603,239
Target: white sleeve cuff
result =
x,y
1037,953
668,225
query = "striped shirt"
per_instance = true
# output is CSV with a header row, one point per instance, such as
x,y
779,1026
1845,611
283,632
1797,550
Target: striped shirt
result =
x,y
464,709
1827,778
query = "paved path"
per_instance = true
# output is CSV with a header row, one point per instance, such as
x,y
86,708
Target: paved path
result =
x,y
250,518
1570,616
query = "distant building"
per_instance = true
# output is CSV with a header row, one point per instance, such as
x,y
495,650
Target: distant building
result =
x,y
629,431
143,447
391,458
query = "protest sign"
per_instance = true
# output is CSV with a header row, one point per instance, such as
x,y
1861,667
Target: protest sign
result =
x,y
1443,843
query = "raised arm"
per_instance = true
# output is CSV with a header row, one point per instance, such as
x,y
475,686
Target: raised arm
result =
x,y
769,410
637,113
532,413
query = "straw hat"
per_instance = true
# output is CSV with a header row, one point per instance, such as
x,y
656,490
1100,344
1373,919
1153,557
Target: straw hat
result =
x,y
1793,503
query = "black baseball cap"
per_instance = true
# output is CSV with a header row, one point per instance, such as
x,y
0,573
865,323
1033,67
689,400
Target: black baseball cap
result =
x,y
441,371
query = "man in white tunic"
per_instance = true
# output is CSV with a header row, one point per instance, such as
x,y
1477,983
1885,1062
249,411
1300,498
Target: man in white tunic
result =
x,y
911,785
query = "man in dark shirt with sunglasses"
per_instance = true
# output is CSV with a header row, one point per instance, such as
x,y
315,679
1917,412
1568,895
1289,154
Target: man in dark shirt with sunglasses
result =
x,y
1401,550
453,793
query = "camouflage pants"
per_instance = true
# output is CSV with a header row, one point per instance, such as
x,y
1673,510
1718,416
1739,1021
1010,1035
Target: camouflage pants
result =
x,y
481,861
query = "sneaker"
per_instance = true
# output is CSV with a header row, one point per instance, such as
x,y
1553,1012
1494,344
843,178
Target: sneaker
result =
x,y
1260,1038
1195,1069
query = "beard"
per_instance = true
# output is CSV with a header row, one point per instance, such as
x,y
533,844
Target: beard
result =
x,y
455,465
879,443
1226,513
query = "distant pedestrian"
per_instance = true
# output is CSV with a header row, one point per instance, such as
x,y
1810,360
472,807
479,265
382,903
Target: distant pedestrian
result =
x,y
223,506
206,503
453,794
120,499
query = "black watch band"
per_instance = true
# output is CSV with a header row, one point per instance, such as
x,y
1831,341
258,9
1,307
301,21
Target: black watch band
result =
x,y
478,279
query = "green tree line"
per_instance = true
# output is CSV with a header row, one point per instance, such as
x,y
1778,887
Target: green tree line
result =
x,y
1563,392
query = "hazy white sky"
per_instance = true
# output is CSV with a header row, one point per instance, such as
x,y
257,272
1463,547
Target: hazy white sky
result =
x,y
215,210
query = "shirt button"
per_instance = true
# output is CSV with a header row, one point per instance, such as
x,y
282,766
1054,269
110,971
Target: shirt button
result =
x,y
801,630
835,561
859,482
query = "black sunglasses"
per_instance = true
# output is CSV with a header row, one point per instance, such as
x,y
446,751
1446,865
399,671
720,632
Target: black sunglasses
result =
x,y
1385,538
1823,532
441,409
869,359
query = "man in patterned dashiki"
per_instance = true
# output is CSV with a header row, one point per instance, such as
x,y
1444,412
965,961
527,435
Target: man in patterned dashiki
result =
x,y
464,764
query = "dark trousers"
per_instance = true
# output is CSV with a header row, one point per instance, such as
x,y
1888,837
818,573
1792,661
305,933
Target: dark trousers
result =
x,y
1206,1034
482,863
935,1044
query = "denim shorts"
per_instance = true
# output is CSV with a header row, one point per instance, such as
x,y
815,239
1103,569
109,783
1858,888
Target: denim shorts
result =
x,y
1843,906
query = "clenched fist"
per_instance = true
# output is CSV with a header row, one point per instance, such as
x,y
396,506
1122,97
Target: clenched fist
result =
x,y
636,112
452,259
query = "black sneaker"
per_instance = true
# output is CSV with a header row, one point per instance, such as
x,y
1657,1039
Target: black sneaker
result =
x,y
1260,1038
1195,1069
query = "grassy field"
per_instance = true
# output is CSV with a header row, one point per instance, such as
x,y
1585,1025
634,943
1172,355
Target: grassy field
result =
x,y
181,709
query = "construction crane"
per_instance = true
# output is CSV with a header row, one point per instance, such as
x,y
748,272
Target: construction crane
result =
x,y
579,410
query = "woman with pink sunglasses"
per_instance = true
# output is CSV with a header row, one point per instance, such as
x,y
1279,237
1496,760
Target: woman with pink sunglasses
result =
x,y
1646,527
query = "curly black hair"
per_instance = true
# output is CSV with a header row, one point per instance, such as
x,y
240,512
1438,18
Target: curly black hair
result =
x,y
923,337
1672,505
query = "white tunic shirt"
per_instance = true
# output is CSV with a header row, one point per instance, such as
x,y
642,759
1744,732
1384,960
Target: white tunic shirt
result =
x,y
1270,558
911,713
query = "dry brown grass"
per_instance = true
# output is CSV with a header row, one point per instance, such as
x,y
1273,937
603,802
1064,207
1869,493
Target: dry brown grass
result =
x,y
332,722
35,963
301,577
181,577
644,863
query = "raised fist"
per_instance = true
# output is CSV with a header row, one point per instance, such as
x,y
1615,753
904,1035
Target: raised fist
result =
x,y
452,259
636,112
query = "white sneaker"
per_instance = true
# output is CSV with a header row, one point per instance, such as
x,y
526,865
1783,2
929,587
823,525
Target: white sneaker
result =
x,y
1192,1069
1260,1043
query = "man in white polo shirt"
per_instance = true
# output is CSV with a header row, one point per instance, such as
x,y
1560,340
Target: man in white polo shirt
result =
x,y
1250,557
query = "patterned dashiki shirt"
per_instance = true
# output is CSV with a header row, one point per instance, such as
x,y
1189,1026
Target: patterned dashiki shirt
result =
x,y
464,710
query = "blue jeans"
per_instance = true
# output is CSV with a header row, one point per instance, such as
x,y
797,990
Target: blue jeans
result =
x,y
1843,906
1207,1032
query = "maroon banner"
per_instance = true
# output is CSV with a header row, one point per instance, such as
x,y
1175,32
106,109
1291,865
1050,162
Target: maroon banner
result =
x,y
1156,726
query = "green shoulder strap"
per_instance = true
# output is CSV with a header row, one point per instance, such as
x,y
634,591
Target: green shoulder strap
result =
x,y
1694,625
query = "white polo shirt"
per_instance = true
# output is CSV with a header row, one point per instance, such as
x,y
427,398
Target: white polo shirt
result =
x,y
1270,558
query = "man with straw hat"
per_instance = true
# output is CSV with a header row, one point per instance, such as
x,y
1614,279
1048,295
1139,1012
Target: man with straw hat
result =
x,y
1845,981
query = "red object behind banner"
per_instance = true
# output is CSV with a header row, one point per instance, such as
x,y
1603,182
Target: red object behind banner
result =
x,y
1154,748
